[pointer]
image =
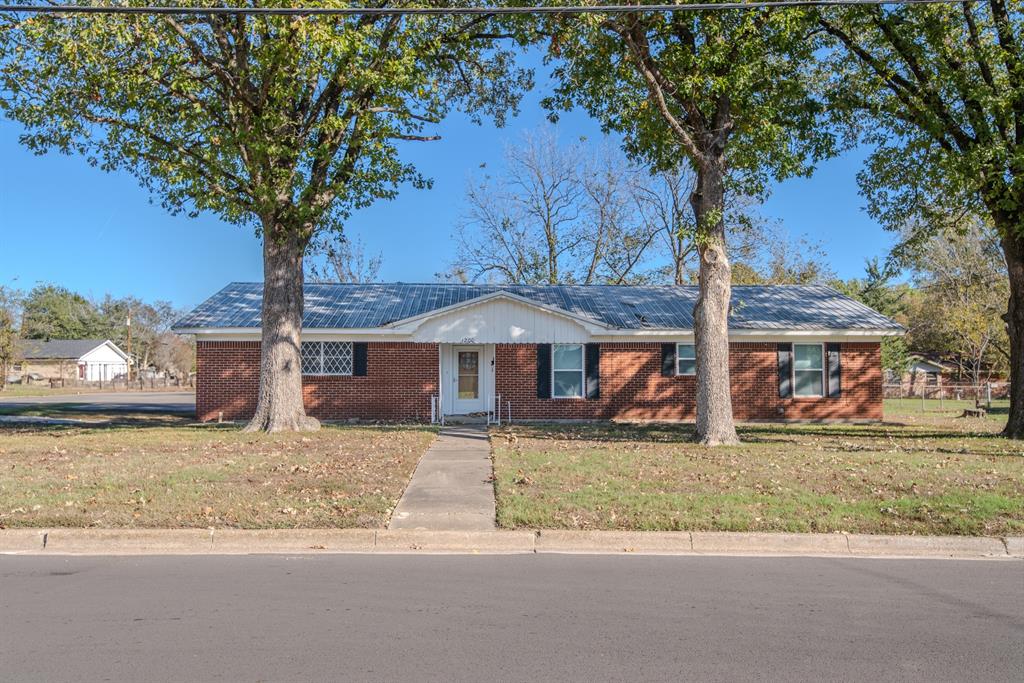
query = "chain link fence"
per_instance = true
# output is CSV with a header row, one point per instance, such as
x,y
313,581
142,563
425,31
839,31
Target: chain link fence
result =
x,y
979,394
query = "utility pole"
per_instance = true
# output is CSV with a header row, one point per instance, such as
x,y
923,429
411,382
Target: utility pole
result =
x,y
129,372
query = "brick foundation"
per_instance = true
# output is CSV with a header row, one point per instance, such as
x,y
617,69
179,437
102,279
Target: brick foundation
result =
x,y
401,378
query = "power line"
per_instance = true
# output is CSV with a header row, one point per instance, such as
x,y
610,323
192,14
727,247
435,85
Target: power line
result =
x,y
437,11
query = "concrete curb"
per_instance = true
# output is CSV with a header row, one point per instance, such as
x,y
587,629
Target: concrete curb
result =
x,y
421,541
418,541
718,542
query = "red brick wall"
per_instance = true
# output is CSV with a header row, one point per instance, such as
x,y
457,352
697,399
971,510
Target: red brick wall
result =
x,y
753,371
227,379
401,378
632,387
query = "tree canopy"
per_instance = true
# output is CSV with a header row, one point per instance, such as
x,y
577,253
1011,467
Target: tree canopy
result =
x,y
938,92
283,123
675,84
293,118
55,312
726,92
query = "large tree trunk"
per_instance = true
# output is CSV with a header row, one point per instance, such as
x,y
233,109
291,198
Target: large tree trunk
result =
x,y
711,313
1013,252
279,407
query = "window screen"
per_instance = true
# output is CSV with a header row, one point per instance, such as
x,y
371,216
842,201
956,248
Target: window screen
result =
x,y
567,371
808,370
686,359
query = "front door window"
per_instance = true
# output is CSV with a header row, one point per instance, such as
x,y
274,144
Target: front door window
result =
x,y
469,375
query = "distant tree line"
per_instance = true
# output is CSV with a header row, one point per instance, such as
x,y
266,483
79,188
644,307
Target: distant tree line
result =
x,y
50,311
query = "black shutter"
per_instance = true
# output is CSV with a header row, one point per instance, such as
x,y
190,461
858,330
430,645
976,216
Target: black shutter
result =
x,y
593,367
834,371
668,360
543,370
359,359
785,370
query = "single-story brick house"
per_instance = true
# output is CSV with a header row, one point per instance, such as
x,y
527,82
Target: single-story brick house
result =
x,y
416,351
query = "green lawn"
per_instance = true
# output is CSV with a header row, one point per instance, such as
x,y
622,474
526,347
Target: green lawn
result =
x,y
150,471
918,473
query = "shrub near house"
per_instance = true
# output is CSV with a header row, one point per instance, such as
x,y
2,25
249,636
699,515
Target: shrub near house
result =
x,y
407,351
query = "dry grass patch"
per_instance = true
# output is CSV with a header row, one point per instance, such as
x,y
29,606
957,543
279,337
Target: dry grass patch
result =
x,y
164,473
926,475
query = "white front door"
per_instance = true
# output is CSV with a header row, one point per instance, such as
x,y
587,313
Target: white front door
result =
x,y
468,380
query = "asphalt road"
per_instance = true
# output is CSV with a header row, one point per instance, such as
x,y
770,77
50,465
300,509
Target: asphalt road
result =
x,y
117,401
508,618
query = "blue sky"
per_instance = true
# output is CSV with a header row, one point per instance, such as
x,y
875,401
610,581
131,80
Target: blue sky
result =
x,y
65,222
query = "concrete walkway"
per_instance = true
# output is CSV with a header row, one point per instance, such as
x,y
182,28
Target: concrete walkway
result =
x,y
452,488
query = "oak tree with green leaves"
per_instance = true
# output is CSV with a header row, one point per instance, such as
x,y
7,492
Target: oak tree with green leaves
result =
x,y
284,124
723,91
55,312
938,91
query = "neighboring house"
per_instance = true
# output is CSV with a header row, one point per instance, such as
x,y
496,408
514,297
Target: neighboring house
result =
x,y
397,351
927,371
89,360
921,370
934,377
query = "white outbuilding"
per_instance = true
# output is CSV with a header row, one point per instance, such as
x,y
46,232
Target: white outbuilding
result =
x,y
88,360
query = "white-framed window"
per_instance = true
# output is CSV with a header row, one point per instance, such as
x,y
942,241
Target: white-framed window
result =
x,y
567,379
686,359
327,358
808,369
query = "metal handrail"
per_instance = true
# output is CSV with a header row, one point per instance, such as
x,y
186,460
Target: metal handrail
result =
x,y
494,409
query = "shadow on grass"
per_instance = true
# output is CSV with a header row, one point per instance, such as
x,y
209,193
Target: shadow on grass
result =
x,y
881,430
92,421
749,433
96,422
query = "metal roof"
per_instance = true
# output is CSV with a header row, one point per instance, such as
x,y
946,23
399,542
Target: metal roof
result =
x,y
362,306
57,349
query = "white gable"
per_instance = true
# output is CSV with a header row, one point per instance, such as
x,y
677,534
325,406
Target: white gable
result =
x,y
501,320
106,352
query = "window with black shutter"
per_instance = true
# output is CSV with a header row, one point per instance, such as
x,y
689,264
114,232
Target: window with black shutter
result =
x,y
668,360
785,370
543,370
593,352
835,385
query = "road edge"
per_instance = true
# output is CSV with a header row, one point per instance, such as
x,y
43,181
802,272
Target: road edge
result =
x,y
64,541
